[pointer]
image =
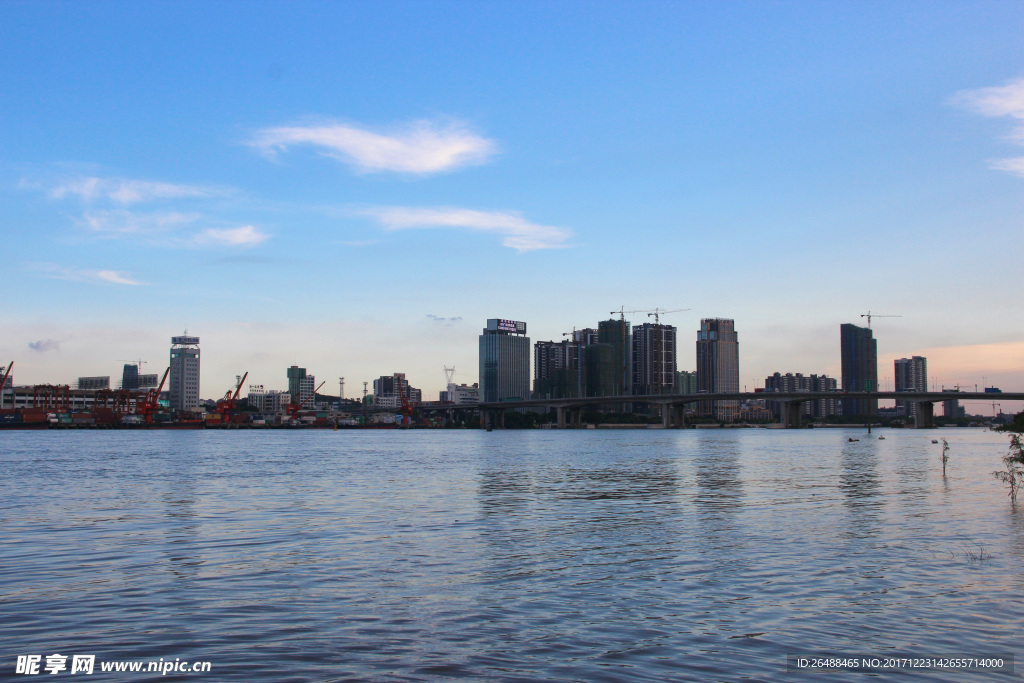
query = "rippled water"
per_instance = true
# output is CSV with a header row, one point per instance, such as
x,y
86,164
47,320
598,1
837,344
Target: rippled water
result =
x,y
511,555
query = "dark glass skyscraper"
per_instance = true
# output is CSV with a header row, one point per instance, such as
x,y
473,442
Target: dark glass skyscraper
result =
x,y
504,361
859,351
718,366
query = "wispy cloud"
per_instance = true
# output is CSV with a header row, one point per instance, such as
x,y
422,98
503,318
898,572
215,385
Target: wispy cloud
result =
x,y
123,191
422,147
517,232
44,345
444,321
110,277
999,101
245,236
124,222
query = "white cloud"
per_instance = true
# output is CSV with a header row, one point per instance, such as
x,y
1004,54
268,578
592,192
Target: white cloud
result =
x,y
998,101
422,147
1014,165
1003,100
85,275
516,232
44,345
124,191
245,236
123,222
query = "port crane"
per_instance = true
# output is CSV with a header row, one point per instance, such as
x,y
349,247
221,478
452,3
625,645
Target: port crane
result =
x,y
293,409
149,405
3,382
406,407
226,405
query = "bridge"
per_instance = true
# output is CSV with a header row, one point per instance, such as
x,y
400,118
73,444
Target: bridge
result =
x,y
569,410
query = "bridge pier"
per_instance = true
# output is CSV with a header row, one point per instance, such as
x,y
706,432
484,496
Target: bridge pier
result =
x,y
576,417
666,416
791,414
925,415
559,417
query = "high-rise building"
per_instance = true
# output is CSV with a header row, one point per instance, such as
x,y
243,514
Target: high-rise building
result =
x,y
654,359
388,389
686,382
295,375
618,334
184,375
504,361
951,407
790,383
911,375
130,376
94,383
556,369
859,351
718,366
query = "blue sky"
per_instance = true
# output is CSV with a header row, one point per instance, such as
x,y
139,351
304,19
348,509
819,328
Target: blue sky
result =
x,y
354,187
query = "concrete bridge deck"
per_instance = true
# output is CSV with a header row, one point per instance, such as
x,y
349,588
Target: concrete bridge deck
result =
x,y
672,405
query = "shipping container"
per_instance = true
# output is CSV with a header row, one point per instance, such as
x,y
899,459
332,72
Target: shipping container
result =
x,y
10,419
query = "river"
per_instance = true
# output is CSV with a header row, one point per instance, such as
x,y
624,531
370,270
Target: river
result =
x,y
589,555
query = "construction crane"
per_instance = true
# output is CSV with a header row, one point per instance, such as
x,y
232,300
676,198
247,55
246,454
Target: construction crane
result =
x,y
659,350
3,382
658,312
294,409
226,405
151,403
869,315
406,408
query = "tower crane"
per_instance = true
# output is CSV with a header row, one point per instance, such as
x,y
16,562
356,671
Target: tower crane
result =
x,y
869,315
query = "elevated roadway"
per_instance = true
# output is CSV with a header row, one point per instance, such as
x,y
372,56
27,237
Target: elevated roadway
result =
x,y
569,410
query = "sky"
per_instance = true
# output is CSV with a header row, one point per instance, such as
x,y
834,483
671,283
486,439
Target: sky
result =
x,y
356,187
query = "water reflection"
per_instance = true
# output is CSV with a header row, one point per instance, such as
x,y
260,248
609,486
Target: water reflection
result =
x,y
861,488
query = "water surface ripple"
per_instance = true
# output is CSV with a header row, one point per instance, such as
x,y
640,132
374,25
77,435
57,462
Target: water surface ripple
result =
x,y
505,556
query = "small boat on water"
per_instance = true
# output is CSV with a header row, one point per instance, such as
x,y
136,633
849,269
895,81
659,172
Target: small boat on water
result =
x,y
853,439
881,438
935,440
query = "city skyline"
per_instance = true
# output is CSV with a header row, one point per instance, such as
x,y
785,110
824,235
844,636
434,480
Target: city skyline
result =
x,y
355,188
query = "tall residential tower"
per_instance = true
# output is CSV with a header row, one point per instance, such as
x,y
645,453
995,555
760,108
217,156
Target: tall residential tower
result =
x,y
718,366
859,351
911,375
184,377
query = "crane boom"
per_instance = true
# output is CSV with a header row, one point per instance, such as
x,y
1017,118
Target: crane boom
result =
x,y
3,382
869,315
239,387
